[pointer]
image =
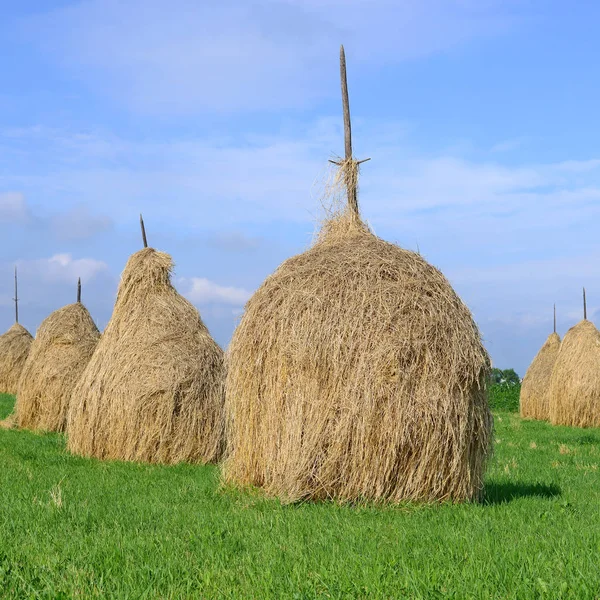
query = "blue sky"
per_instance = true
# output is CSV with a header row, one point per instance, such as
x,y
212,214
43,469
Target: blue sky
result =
x,y
216,120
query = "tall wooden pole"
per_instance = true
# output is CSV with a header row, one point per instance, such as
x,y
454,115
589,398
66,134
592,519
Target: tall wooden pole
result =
x,y
349,166
345,105
143,231
79,290
16,298
584,306
555,318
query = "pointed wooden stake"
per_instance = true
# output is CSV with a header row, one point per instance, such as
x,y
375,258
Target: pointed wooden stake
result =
x,y
584,306
555,318
345,105
79,290
350,182
143,231
16,298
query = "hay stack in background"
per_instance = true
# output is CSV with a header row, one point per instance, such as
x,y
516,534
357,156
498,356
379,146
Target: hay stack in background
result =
x,y
535,389
14,349
357,373
575,383
153,390
64,344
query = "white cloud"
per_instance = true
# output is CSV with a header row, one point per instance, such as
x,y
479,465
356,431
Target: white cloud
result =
x,y
13,208
204,291
62,268
224,183
185,55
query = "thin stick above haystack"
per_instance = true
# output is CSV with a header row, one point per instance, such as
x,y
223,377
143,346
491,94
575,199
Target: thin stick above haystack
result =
x,y
357,373
63,346
575,382
14,349
153,390
535,389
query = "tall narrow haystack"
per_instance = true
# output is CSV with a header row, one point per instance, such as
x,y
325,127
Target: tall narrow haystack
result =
x,y
63,346
575,382
153,390
357,373
535,389
14,349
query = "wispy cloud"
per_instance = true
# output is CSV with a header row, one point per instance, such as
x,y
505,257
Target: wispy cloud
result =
x,y
512,239
62,268
201,180
187,56
204,291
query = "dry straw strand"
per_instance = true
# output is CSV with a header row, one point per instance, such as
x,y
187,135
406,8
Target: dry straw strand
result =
x,y
153,390
63,346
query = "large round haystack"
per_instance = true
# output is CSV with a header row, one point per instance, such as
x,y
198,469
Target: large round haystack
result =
x,y
575,382
14,349
153,390
356,373
535,389
63,346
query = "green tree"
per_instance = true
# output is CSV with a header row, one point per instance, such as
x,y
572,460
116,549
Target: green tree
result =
x,y
508,376
496,375
511,377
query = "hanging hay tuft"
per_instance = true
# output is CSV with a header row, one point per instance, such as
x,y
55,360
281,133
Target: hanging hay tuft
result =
x,y
9,422
357,373
14,349
63,346
153,390
535,389
575,382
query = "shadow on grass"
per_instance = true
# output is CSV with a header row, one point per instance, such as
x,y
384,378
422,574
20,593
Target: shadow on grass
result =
x,y
501,493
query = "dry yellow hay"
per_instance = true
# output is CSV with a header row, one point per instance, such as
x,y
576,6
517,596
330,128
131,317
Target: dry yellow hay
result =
x,y
14,348
535,389
575,382
63,346
153,390
357,373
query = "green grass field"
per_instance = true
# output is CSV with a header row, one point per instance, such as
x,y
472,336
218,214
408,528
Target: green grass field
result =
x,y
71,527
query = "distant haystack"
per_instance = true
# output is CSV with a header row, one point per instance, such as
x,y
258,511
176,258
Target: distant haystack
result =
x,y
575,383
14,349
357,373
153,390
535,389
64,344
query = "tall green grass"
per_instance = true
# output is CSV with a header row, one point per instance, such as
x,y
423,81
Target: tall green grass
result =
x,y
504,396
77,528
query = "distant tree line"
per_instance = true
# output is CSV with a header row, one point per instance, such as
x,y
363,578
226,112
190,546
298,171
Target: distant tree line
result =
x,y
508,376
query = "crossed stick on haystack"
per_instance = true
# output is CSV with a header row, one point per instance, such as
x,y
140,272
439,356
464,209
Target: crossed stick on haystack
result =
x,y
348,165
